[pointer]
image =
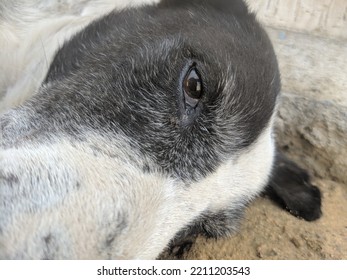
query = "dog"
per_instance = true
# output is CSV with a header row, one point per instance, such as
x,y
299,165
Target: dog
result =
x,y
129,126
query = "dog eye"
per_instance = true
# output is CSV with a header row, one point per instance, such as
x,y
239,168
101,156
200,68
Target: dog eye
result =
x,y
192,87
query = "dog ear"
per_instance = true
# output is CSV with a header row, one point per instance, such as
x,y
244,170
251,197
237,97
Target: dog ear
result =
x,y
235,7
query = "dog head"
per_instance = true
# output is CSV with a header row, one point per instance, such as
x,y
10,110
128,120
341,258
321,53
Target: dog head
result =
x,y
149,119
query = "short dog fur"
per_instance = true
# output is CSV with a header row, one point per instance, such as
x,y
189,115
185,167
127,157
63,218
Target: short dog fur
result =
x,y
104,154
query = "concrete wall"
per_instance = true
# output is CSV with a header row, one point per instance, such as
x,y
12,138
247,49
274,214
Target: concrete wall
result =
x,y
320,17
310,40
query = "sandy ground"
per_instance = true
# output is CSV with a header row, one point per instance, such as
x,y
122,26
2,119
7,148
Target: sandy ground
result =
x,y
271,233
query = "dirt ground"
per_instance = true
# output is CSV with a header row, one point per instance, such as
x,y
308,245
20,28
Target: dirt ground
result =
x,y
270,233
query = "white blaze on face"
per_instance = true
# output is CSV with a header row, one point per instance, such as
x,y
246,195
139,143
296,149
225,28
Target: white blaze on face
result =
x,y
69,201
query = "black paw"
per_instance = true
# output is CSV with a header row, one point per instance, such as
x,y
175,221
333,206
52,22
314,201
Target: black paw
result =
x,y
291,188
179,250
179,246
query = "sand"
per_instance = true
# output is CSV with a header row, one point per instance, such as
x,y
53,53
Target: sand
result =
x,y
271,233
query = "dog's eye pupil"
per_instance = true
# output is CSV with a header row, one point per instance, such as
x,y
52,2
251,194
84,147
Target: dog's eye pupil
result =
x,y
192,84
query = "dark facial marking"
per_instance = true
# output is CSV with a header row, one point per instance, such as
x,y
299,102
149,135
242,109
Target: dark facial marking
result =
x,y
123,74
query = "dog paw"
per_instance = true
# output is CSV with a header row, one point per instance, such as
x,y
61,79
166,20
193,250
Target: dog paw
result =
x,y
291,188
178,247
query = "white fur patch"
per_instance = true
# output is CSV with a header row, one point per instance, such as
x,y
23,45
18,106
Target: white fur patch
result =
x,y
95,206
